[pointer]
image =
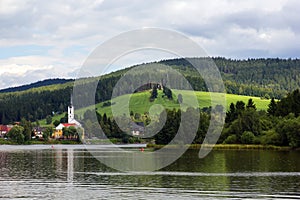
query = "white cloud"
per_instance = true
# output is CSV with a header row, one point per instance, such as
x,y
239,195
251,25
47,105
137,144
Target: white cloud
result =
x,y
20,70
8,7
72,29
16,71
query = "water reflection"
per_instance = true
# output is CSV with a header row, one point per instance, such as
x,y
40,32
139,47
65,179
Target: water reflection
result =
x,y
70,165
74,173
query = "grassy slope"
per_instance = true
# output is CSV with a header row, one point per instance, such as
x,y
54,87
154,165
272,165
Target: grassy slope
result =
x,y
139,102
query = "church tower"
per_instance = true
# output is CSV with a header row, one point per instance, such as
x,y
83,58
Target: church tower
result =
x,y
71,111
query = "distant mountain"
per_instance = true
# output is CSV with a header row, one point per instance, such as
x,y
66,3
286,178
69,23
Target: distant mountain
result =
x,y
46,82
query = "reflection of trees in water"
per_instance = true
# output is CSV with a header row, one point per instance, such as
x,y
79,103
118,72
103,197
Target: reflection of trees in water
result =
x,y
243,168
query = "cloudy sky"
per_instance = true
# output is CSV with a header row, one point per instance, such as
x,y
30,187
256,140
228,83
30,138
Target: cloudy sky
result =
x,y
46,39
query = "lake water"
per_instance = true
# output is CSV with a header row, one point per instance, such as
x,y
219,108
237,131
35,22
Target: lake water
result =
x,y
71,172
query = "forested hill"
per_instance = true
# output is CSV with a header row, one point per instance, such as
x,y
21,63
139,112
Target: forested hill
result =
x,y
271,77
36,85
253,77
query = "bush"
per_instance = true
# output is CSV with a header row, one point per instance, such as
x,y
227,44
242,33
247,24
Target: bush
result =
x,y
48,119
133,140
231,139
271,137
247,137
56,123
16,134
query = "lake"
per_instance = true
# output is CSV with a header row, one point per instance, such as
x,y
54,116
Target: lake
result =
x,y
72,172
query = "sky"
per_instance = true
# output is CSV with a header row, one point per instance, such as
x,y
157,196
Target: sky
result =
x,y
52,39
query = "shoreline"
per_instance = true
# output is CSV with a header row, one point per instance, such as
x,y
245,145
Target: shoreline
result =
x,y
34,142
158,146
68,147
229,147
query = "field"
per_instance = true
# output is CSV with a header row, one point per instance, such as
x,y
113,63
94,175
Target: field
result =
x,y
139,103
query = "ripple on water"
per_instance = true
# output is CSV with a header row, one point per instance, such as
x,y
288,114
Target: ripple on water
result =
x,y
39,172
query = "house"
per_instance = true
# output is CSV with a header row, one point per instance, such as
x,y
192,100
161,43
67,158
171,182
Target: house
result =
x,y
58,133
137,128
4,129
38,132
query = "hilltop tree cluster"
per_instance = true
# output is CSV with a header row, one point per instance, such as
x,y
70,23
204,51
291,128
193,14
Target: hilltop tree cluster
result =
x,y
166,92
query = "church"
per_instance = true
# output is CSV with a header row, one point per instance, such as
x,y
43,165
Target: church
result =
x,y
71,114
58,133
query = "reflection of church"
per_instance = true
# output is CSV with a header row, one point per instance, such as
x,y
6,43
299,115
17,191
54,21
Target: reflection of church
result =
x,y
71,122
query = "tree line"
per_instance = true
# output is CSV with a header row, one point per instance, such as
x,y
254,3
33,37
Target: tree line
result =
x,y
23,132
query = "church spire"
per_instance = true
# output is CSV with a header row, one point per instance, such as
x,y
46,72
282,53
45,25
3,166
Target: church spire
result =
x,y
71,100
71,110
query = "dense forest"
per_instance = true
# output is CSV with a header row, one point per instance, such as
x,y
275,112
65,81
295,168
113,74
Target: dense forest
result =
x,y
266,78
272,77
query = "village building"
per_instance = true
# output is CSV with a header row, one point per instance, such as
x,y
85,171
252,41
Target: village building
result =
x,y
4,129
38,132
137,128
58,133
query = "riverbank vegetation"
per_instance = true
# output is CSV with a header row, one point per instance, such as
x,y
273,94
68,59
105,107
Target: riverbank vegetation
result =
x,y
4,141
226,147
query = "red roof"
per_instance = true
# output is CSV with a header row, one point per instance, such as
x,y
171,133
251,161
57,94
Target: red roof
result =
x,y
4,128
68,124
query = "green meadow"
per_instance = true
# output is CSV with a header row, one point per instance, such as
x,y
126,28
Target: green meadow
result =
x,y
139,103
